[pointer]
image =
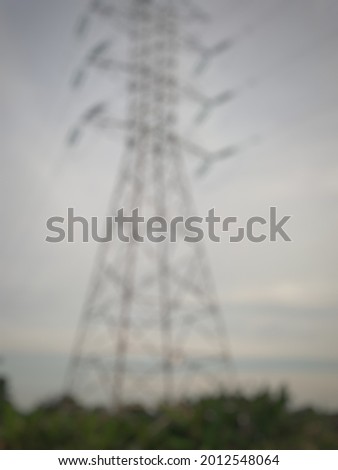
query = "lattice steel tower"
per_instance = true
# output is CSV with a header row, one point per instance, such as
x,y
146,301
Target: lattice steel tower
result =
x,y
151,328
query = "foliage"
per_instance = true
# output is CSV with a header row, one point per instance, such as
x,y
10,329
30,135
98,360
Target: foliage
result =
x,y
263,421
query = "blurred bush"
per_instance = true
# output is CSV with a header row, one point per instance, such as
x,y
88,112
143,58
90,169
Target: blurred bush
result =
x,y
262,421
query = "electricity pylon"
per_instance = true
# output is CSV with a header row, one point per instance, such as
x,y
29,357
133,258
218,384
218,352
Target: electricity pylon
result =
x,y
151,329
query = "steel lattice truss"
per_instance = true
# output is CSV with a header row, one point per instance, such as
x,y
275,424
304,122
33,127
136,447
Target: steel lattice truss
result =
x,y
151,328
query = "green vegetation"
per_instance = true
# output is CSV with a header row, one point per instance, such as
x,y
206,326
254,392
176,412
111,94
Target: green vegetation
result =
x,y
263,421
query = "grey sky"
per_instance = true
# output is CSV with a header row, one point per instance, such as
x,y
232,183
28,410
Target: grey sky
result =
x,y
280,300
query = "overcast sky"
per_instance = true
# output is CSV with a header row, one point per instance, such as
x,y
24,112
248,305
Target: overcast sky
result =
x,y
279,299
